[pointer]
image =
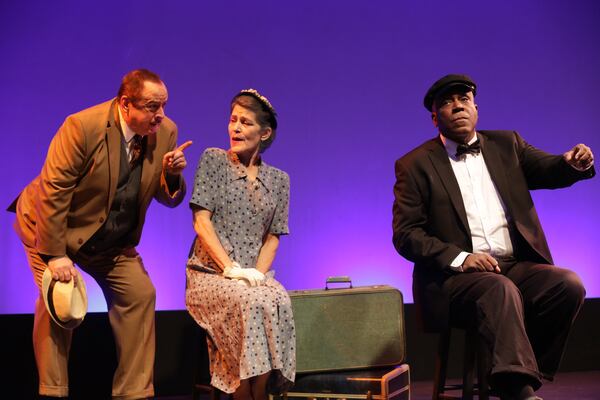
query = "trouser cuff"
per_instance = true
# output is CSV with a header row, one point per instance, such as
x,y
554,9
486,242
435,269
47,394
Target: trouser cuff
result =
x,y
135,395
533,377
54,391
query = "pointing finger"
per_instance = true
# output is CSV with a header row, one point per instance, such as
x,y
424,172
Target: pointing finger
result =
x,y
184,146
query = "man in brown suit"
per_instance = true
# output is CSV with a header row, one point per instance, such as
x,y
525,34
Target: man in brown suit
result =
x,y
464,215
87,207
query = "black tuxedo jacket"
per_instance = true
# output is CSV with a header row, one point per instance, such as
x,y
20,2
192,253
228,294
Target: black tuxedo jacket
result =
x,y
429,219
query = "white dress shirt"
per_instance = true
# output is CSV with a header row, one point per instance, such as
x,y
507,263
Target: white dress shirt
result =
x,y
485,210
128,134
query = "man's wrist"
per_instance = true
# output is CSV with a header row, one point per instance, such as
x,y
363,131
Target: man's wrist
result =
x,y
172,178
172,181
457,263
47,257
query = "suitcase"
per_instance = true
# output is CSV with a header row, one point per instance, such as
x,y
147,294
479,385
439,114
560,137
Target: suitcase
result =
x,y
348,328
376,384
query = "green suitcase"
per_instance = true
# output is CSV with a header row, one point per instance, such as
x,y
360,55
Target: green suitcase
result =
x,y
348,328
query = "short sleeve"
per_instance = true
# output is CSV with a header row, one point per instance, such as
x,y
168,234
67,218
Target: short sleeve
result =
x,y
279,226
207,180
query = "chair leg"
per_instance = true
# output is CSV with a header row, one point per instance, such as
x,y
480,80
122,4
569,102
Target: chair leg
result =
x,y
476,362
441,365
469,364
483,365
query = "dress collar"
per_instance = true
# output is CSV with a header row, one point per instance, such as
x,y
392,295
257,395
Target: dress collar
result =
x,y
240,172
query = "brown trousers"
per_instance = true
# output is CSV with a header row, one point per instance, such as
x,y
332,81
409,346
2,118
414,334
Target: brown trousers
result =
x,y
130,297
524,315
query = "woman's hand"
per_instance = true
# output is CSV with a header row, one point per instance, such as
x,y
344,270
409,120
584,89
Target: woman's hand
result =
x,y
251,275
254,276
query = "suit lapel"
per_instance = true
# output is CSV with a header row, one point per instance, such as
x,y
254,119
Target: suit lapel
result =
x,y
441,163
491,156
113,139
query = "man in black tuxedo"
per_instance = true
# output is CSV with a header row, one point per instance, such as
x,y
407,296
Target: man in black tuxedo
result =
x,y
464,215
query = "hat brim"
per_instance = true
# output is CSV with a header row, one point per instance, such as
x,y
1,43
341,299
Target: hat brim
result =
x,y
452,85
47,286
430,100
445,84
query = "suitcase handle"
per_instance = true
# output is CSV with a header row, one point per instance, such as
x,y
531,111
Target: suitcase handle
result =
x,y
338,279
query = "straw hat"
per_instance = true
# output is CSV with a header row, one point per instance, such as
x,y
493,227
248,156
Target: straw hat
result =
x,y
66,302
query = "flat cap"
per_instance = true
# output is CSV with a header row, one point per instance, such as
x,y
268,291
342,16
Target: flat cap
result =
x,y
444,84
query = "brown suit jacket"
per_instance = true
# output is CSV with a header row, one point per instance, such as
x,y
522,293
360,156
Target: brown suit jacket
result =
x,y
70,199
429,218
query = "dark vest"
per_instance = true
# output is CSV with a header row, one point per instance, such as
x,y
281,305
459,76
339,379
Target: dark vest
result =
x,y
122,218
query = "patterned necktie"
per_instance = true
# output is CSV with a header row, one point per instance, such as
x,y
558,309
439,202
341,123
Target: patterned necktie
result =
x,y
135,149
473,148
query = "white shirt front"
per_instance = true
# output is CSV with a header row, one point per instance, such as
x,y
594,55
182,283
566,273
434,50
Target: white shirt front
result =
x,y
485,210
128,134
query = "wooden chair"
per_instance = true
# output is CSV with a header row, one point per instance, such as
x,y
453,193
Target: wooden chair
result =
x,y
476,362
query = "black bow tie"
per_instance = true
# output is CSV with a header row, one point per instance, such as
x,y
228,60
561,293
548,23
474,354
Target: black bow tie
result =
x,y
473,148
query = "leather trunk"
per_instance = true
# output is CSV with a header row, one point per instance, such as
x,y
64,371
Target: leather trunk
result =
x,y
373,384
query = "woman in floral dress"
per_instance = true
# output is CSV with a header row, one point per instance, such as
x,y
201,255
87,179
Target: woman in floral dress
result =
x,y
240,208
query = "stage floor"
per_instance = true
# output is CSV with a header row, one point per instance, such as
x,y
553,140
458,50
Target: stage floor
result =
x,y
567,385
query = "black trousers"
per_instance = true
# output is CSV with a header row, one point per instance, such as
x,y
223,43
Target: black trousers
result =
x,y
524,314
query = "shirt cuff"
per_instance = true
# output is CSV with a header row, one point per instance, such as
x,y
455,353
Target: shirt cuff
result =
x,y
456,264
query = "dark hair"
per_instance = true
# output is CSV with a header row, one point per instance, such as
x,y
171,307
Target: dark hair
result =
x,y
132,84
266,116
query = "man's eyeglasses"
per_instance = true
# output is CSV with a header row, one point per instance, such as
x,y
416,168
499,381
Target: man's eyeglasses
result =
x,y
152,106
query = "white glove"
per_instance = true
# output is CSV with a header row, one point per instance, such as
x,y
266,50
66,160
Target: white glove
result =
x,y
253,276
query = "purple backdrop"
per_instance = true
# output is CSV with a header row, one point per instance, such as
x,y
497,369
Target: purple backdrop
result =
x,y
347,80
